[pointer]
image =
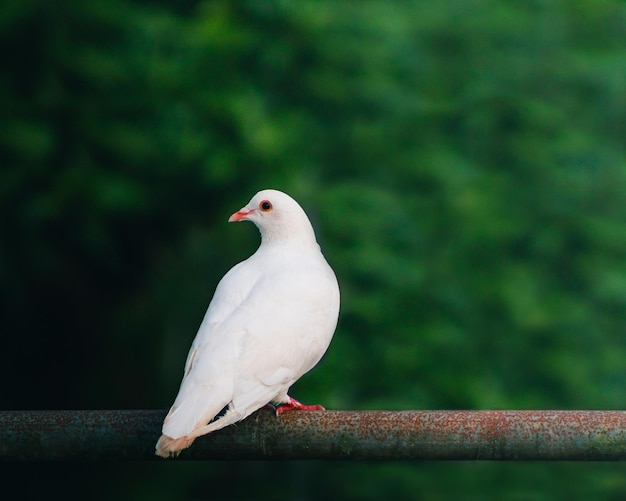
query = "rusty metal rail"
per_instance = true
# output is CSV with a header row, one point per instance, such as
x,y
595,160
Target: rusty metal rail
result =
x,y
374,435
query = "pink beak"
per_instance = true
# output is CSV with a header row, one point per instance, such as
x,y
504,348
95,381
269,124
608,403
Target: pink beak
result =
x,y
240,215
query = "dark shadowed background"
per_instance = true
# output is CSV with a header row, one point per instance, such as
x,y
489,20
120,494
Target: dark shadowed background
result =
x,y
463,163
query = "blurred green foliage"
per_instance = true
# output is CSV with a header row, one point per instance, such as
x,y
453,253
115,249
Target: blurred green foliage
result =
x,y
464,164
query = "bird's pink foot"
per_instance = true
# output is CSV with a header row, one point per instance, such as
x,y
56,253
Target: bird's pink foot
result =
x,y
293,404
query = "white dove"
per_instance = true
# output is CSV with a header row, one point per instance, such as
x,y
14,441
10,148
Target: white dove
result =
x,y
271,319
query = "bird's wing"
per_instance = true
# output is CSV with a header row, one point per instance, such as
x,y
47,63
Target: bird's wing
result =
x,y
205,388
230,292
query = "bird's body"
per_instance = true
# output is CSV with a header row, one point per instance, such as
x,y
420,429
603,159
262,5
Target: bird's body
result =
x,y
270,321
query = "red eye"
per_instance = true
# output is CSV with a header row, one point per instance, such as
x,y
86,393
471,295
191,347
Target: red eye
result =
x,y
265,206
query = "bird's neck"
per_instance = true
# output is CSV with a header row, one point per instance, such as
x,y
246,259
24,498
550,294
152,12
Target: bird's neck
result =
x,y
302,236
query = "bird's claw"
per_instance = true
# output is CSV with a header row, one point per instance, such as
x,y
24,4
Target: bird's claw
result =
x,y
293,404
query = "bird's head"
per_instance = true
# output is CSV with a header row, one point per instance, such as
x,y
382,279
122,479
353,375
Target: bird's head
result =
x,y
277,215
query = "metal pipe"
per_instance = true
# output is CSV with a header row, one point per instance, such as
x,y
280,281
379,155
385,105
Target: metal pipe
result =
x,y
365,435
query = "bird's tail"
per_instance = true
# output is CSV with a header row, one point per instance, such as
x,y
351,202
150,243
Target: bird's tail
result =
x,y
170,447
